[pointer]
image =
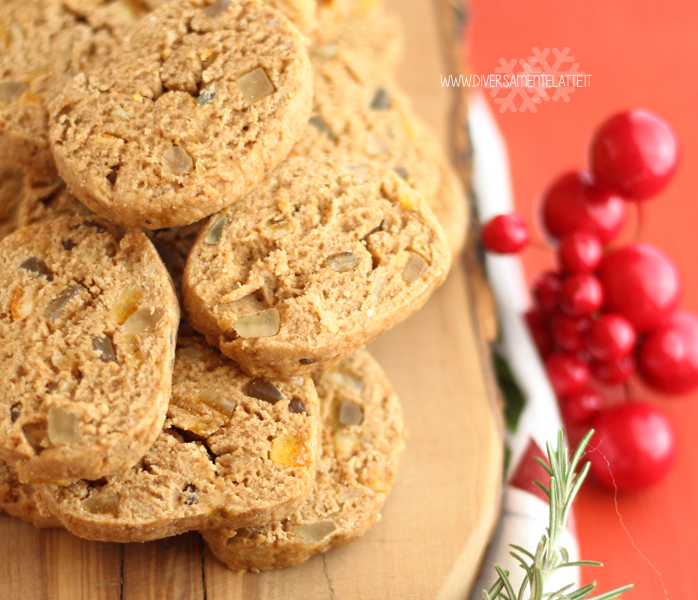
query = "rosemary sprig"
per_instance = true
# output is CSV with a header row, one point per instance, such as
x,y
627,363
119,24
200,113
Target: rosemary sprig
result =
x,y
550,556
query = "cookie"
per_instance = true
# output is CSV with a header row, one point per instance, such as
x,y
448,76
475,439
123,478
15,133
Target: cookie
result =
x,y
358,117
11,190
363,438
319,259
234,451
190,114
370,45
44,201
21,500
45,43
87,335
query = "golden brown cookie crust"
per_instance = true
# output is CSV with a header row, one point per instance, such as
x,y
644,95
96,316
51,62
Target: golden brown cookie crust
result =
x,y
21,500
88,322
225,457
359,114
318,260
45,43
193,111
356,470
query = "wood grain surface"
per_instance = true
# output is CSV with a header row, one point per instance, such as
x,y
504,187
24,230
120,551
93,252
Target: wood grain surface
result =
x,y
438,518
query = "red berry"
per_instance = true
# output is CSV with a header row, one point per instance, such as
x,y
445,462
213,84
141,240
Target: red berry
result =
x,y
633,446
614,371
568,374
569,332
580,409
505,234
641,284
574,203
546,288
539,326
610,337
581,295
634,154
668,357
579,252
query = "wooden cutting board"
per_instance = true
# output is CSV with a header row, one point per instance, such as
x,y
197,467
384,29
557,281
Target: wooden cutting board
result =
x,y
438,518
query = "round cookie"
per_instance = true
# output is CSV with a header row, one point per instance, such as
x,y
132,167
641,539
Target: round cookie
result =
x,y
191,113
234,451
21,500
11,191
87,335
45,43
363,438
44,201
359,117
318,260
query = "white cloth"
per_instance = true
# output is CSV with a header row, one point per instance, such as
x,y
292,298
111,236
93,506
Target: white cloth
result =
x,y
524,516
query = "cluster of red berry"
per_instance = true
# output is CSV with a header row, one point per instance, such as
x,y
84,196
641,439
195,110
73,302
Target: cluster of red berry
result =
x,y
609,313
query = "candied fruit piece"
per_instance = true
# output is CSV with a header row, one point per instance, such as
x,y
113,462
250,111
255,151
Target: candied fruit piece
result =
x,y
379,289
264,390
345,441
289,451
315,532
126,303
63,361
345,380
105,348
177,161
296,406
307,361
189,495
62,425
408,197
54,310
12,90
402,171
121,114
38,266
144,320
15,412
280,230
356,168
35,434
381,99
192,353
342,261
375,144
327,51
217,8
102,505
414,268
207,95
350,413
217,402
214,236
255,85
321,125
265,323
22,305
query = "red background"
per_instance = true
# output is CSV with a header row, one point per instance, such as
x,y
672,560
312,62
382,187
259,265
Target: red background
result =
x,y
640,54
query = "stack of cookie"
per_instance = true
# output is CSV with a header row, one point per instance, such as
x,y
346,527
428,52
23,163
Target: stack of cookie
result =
x,y
253,167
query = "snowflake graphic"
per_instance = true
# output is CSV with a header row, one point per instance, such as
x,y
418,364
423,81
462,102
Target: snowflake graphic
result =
x,y
522,98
